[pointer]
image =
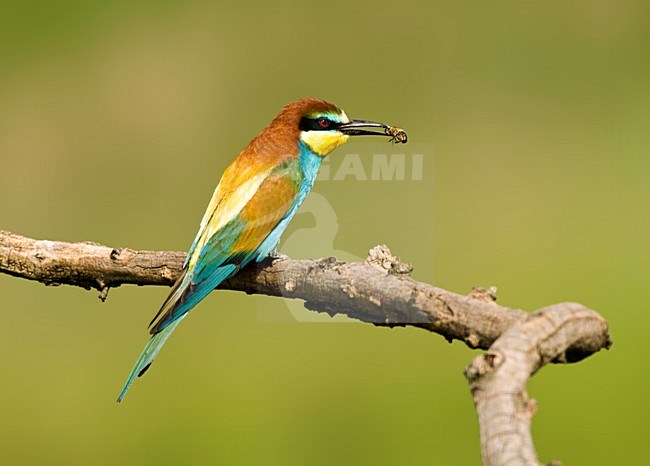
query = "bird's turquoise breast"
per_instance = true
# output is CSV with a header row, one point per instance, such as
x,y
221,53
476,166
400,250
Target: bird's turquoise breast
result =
x,y
309,163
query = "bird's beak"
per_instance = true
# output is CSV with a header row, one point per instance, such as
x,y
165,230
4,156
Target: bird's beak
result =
x,y
360,128
356,128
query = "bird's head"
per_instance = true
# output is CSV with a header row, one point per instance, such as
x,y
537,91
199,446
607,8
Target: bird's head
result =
x,y
323,127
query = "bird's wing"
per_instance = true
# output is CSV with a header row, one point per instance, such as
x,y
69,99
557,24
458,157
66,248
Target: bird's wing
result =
x,y
230,239
237,185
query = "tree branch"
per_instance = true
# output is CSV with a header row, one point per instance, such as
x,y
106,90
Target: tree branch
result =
x,y
498,378
378,291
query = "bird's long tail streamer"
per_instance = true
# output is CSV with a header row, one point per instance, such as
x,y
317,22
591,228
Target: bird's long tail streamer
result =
x,y
149,354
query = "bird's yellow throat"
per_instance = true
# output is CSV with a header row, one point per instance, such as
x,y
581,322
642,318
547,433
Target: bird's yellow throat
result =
x,y
323,142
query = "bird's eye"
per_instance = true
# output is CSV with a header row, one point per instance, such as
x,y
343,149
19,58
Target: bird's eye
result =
x,y
324,123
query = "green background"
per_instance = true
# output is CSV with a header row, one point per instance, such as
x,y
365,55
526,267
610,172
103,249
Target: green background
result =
x,y
117,119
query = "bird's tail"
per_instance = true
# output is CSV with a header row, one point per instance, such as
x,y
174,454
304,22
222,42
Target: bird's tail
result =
x,y
149,354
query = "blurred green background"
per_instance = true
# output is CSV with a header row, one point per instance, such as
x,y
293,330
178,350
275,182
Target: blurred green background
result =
x,y
117,119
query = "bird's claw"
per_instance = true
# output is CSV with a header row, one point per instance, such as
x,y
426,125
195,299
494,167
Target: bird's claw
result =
x,y
277,256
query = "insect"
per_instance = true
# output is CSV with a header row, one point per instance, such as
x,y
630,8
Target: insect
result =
x,y
398,135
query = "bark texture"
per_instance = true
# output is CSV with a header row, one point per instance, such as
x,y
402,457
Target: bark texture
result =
x,y
377,291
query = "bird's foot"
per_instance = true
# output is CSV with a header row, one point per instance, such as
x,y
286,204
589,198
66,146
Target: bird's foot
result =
x,y
277,256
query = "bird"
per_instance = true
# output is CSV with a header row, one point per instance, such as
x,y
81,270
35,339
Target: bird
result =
x,y
256,198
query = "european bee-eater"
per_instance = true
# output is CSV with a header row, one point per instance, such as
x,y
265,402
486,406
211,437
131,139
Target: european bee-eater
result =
x,y
257,197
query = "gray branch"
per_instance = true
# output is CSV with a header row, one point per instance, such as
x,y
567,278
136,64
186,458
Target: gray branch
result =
x,y
378,291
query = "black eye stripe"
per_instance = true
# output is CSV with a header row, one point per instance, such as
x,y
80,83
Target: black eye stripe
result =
x,y
312,124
